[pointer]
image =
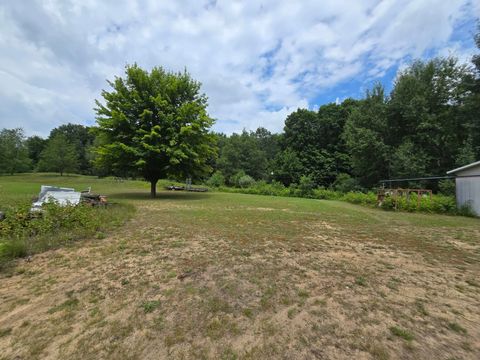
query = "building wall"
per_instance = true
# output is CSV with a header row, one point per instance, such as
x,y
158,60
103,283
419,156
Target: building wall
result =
x,y
472,171
468,189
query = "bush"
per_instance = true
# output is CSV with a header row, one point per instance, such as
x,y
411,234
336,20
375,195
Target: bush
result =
x,y
233,180
438,204
447,187
368,199
263,188
345,183
245,181
306,187
216,180
22,234
325,194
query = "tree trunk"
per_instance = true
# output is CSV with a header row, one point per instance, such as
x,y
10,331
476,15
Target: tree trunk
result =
x,y
153,188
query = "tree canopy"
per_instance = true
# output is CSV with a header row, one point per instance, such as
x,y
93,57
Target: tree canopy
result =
x,y
82,138
59,155
13,151
155,125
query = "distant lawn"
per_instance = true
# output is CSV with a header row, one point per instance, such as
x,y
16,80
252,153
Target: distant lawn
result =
x,y
22,187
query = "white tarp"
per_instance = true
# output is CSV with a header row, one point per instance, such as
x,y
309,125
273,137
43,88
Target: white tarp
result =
x,y
62,196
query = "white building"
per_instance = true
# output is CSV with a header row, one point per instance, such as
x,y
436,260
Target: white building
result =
x,y
468,185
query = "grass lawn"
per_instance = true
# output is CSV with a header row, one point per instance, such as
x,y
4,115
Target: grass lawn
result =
x,y
234,276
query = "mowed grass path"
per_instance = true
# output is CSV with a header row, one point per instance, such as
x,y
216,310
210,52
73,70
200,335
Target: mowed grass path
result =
x,y
232,276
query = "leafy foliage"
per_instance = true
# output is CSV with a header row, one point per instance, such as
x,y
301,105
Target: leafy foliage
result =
x,y
13,152
245,181
244,152
365,132
314,144
59,155
35,146
306,186
82,138
22,235
345,183
155,125
216,180
447,187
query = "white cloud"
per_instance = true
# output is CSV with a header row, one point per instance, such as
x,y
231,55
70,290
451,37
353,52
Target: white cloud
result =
x,y
258,61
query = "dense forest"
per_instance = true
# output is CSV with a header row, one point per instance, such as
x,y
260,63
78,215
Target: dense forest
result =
x,y
429,123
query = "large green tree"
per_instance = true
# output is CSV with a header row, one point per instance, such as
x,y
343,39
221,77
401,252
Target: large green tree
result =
x,y
155,125
59,155
269,143
472,108
35,145
13,151
427,109
316,140
365,133
288,167
82,138
242,152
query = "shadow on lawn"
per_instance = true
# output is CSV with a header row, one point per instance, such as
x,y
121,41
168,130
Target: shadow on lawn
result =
x,y
161,195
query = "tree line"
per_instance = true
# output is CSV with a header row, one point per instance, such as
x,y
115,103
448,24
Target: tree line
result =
x,y
68,148
428,124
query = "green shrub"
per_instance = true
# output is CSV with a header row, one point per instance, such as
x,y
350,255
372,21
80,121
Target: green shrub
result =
x,y
22,233
447,187
263,188
345,183
216,180
245,181
437,204
306,187
369,199
235,179
325,194
293,190
388,203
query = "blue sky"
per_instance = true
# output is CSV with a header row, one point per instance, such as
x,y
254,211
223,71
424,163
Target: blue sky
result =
x,y
257,60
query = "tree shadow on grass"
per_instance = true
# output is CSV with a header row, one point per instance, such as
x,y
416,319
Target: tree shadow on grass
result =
x,y
161,195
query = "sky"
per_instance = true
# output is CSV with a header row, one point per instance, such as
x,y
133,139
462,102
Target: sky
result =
x,y
257,61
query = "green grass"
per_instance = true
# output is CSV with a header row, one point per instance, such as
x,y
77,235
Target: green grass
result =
x,y
5,332
206,275
457,328
68,305
217,207
21,236
150,306
437,203
402,333
361,281
22,188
